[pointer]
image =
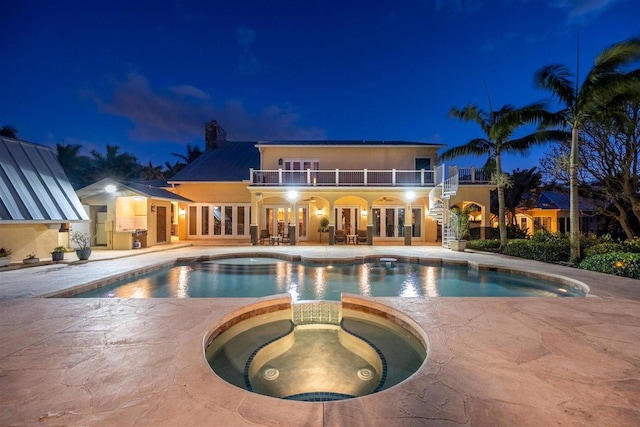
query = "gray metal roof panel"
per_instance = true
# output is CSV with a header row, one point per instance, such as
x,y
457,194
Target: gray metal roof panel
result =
x,y
228,163
33,185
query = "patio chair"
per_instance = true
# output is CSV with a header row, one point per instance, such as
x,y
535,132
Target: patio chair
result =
x,y
341,237
285,238
362,236
264,236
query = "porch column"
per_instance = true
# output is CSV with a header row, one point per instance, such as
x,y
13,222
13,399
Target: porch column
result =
x,y
408,229
483,223
292,196
254,226
332,225
369,224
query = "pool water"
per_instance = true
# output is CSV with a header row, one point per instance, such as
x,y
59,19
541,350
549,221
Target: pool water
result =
x,y
315,362
258,277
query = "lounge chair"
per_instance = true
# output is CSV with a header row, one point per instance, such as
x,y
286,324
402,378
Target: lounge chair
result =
x,y
341,236
264,236
362,236
285,238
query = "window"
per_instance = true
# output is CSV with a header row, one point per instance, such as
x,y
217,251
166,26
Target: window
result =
x,y
218,221
423,163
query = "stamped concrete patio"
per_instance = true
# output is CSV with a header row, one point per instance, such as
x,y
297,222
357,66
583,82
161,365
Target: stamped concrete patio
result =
x,y
491,361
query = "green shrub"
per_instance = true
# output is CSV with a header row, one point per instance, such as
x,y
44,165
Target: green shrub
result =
x,y
603,248
515,232
548,248
632,246
618,263
483,245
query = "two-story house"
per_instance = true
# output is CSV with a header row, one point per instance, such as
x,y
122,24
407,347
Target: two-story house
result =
x,y
384,191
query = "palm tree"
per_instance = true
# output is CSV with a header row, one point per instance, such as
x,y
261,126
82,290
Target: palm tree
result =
x,y
605,85
77,167
498,127
123,166
9,132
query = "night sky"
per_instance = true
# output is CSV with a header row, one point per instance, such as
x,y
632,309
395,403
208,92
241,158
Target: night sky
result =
x,y
147,75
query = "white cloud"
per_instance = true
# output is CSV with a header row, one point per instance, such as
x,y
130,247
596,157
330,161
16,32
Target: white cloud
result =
x,y
582,9
188,90
170,116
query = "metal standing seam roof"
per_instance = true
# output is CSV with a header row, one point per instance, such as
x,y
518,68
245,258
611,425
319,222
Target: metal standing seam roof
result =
x,y
230,162
33,185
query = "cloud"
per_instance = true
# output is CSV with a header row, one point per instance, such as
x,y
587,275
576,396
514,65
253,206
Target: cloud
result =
x,y
583,10
248,62
188,90
179,114
245,36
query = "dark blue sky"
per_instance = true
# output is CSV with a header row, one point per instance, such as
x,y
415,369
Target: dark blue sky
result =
x,y
147,75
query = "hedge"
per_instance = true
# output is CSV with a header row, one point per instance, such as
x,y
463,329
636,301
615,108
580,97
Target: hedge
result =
x,y
619,263
556,250
484,245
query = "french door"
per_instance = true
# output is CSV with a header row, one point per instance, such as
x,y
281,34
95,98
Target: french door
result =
x,y
348,219
388,222
277,219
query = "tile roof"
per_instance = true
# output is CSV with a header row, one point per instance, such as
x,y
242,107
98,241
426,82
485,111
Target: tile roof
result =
x,y
33,185
560,200
228,163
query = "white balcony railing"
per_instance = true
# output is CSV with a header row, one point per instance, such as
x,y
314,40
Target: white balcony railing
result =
x,y
352,178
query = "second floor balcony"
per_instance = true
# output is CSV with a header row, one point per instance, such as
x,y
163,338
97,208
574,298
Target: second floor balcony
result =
x,y
358,178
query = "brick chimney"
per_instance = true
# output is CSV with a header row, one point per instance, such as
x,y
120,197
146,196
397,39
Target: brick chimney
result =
x,y
214,136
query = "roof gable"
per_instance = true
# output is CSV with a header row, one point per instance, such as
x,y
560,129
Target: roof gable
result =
x,y
145,190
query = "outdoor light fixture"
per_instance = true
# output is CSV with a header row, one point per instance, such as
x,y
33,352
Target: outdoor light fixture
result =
x,y
410,196
292,195
153,207
182,212
364,212
110,188
319,212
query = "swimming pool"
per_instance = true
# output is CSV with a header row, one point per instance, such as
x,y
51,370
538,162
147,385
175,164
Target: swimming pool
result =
x,y
258,277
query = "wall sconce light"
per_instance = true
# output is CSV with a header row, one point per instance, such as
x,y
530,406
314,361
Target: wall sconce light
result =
x,y
410,196
364,212
110,188
153,207
320,212
280,161
292,195
182,212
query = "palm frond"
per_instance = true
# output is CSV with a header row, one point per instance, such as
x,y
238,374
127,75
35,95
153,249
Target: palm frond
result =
x,y
618,55
521,145
556,78
475,147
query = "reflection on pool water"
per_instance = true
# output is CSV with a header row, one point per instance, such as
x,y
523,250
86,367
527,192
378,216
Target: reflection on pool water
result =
x,y
257,277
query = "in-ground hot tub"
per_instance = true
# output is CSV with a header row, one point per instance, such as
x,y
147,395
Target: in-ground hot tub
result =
x,y
316,351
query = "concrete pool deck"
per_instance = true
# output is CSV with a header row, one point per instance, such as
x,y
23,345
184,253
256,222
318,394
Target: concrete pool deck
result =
x,y
491,361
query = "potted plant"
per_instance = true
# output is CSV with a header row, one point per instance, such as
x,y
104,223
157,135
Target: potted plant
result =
x,y
324,227
31,259
459,222
5,257
58,253
83,241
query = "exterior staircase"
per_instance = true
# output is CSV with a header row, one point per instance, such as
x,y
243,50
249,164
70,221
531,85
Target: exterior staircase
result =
x,y
444,188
